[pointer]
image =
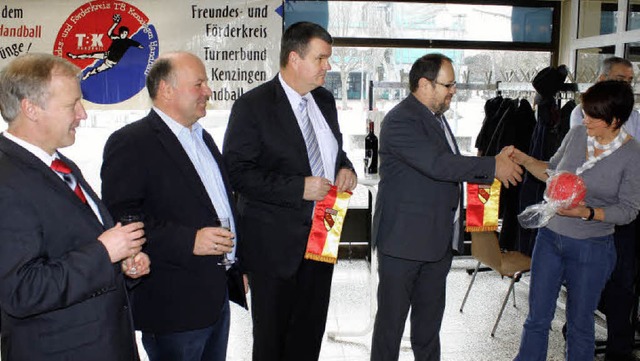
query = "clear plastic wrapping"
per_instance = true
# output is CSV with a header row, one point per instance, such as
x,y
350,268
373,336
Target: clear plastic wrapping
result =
x,y
564,190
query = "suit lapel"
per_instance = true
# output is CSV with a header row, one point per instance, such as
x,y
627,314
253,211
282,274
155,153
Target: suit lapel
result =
x,y
50,178
104,213
287,119
431,122
179,158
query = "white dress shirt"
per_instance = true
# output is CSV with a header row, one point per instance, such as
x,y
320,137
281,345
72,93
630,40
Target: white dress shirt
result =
x,y
326,140
205,164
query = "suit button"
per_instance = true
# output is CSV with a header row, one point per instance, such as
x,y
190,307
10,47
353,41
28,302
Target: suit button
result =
x,y
125,307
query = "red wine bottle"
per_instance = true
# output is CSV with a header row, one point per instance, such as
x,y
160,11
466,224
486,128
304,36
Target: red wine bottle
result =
x,y
371,151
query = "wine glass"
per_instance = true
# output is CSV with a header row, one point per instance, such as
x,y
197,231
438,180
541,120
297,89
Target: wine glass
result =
x,y
368,157
225,223
124,220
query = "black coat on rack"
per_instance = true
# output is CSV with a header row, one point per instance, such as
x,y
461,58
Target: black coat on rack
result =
x,y
492,111
551,126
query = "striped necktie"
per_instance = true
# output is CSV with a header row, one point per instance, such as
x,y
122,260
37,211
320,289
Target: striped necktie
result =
x,y
313,150
63,169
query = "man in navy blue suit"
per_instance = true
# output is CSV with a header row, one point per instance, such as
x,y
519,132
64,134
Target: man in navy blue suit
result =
x,y
62,289
167,168
283,147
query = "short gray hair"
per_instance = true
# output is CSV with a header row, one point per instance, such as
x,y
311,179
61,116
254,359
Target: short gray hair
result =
x,y
28,77
609,63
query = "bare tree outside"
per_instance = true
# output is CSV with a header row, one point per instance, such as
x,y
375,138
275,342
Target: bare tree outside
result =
x,y
355,19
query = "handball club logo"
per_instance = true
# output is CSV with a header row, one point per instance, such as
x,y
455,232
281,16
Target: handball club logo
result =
x,y
114,45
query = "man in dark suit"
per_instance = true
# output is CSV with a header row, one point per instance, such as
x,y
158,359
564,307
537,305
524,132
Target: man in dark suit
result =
x,y
417,218
283,147
167,168
62,290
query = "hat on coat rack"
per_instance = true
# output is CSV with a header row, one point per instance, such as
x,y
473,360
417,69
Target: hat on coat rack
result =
x,y
549,80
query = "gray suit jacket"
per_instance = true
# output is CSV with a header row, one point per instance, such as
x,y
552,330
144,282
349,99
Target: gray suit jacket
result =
x,y
420,185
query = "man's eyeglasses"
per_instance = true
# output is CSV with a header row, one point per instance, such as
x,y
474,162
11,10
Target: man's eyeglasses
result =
x,y
453,84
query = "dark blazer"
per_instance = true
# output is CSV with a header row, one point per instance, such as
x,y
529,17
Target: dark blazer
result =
x,y
267,161
145,170
60,295
419,186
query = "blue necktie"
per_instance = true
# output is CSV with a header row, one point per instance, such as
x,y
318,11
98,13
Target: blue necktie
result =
x,y
313,150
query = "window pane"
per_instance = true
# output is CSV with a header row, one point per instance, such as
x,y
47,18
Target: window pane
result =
x,y
632,52
588,63
633,18
388,20
597,17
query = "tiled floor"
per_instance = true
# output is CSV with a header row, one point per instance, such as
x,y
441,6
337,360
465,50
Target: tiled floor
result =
x,y
464,336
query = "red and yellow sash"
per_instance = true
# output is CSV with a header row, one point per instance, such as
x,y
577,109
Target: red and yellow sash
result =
x,y
483,201
328,218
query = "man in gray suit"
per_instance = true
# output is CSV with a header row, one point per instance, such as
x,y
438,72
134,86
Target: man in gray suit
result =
x,y
417,217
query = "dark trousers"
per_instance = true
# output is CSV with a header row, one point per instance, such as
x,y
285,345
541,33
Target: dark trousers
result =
x,y
208,344
289,315
619,295
403,284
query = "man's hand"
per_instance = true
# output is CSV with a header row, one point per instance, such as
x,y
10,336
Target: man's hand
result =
x,y
507,171
140,262
213,241
315,188
346,180
123,241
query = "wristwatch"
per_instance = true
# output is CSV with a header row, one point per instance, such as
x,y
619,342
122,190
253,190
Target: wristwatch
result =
x,y
592,213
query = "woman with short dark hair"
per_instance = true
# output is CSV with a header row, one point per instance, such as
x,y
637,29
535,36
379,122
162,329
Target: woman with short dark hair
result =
x,y
576,246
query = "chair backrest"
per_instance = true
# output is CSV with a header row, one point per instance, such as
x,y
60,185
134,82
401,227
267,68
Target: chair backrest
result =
x,y
486,249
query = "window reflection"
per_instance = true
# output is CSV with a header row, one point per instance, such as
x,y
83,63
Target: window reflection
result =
x,y
633,17
404,20
632,53
597,17
588,62
388,69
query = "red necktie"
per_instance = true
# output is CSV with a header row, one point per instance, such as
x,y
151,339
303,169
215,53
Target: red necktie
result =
x,y
62,168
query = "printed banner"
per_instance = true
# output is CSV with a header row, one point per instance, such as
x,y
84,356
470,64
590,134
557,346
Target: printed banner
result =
x,y
483,201
326,228
115,42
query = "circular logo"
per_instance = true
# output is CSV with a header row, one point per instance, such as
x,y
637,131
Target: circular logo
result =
x,y
114,45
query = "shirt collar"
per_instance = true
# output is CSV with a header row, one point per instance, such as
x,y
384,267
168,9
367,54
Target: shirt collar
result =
x,y
177,128
292,95
45,157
